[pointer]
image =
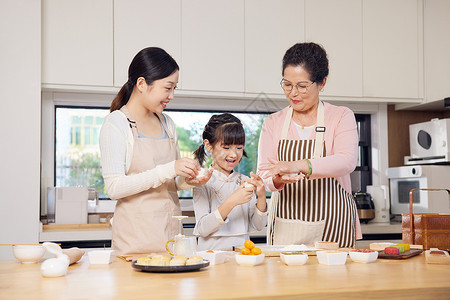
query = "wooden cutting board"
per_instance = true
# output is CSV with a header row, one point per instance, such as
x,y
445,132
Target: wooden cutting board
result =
x,y
404,255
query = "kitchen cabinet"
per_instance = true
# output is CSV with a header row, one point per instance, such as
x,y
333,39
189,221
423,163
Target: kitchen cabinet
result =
x,y
213,45
392,49
336,25
271,27
437,49
77,42
144,23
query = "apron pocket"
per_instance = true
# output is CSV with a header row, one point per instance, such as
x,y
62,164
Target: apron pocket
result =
x,y
295,232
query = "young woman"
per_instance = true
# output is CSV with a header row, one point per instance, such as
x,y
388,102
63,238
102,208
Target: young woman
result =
x,y
306,154
226,208
141,163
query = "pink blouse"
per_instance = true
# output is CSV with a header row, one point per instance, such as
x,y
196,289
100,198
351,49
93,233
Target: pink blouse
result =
x,y
341,144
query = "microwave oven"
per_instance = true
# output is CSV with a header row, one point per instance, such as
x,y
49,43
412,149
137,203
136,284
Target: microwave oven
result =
x,y
428,142
403,179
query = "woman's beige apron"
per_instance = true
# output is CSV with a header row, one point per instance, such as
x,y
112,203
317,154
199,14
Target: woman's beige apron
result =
x,y
310,210
143,222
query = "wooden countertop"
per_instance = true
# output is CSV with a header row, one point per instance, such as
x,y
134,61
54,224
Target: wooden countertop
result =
x,y
410,278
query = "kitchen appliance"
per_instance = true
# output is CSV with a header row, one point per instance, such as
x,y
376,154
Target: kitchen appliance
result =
x,y
365,206
403,179
380,197
428,142
68,205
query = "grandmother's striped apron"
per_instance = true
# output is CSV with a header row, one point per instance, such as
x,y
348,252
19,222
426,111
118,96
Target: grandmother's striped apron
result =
x,y
310,210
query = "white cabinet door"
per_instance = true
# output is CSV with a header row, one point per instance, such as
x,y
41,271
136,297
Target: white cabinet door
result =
x,y
271,27
336,25
144,23
392,52
213,45
77,42
437,49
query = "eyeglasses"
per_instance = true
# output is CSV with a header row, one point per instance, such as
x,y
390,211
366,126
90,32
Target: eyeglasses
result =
x,y
302,86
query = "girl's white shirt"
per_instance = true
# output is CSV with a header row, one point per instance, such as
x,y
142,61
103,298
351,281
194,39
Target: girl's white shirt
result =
x,y
215,232
116,147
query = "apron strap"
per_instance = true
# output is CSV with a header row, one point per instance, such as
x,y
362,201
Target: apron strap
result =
x,y
162,120
287,122
320,129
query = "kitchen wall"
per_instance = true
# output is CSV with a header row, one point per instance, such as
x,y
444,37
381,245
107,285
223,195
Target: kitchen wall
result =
x,y
20,122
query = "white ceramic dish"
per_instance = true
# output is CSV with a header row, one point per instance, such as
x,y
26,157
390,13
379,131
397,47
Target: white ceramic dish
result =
x,y
249,260
294,258
28,254
215,258
363,257
331,257
100,257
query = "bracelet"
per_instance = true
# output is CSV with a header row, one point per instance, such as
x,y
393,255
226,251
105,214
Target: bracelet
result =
x,y
309,168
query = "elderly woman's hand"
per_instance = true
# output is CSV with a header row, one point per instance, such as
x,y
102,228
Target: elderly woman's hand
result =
x,y
283,171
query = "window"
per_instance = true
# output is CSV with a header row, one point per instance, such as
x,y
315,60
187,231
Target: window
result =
x,y
77,155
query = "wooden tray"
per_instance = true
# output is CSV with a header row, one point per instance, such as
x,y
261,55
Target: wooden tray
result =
x,y
404,255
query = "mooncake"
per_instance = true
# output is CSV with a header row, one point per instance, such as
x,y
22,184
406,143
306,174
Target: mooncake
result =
x,y
392,250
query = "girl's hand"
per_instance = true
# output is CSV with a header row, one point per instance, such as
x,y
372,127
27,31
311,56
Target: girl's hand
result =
x,y
257,181
198,181
241,195
186,167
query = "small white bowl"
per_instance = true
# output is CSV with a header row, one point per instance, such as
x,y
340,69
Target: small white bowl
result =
x,y
293,258
363,257
100,257
331,257
215,258
28,254
249,260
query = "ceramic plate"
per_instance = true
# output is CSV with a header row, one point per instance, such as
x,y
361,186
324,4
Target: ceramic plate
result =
x,y
169,269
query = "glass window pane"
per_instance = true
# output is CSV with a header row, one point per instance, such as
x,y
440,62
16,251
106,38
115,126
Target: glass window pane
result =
x,y
78,163
87,136
88,120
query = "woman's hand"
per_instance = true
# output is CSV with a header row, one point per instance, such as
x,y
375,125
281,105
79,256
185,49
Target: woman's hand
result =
x,y
198,181
186,167
283,172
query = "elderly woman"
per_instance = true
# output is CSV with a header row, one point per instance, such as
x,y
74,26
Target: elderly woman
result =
x,y
306,154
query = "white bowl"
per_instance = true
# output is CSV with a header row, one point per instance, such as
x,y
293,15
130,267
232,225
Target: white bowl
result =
x,y
100,257
363,257
331,257
294,258
28,254
249,260
215,258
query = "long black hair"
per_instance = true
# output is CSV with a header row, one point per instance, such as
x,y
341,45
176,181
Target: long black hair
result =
x,y
151,63
224,128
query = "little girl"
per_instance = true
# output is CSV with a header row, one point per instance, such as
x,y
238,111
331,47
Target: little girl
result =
x,y
226,208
